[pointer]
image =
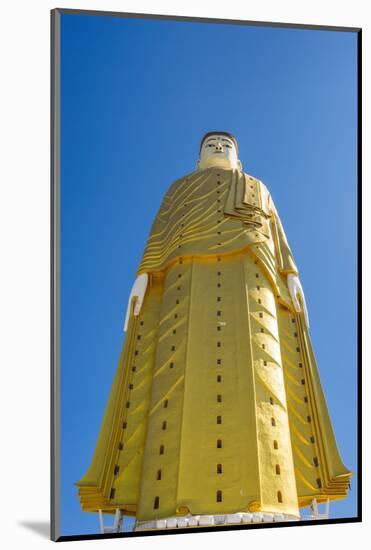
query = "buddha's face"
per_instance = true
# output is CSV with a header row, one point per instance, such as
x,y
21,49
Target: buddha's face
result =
x,y
220,151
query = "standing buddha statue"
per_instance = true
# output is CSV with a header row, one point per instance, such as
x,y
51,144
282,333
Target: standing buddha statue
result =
x,y
216,409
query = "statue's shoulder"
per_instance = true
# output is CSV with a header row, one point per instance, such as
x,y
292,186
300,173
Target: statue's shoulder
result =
x,y
263,188
178,183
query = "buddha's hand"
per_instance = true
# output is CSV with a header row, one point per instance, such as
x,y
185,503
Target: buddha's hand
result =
x,y
138,291
297,295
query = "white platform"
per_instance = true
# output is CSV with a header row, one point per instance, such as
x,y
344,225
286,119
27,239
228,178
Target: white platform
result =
x,y
181,522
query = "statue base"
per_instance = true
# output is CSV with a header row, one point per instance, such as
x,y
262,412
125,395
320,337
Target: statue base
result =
x,y
181,522
190,521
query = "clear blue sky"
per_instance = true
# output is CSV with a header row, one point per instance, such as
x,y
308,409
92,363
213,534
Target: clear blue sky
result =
x,y
137,96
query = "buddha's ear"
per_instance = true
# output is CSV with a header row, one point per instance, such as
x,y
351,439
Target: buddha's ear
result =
x,y
198,165
239,164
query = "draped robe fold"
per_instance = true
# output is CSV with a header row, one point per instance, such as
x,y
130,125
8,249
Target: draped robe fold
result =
x,y
217,405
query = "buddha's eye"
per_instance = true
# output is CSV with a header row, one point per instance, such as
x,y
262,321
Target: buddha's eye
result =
x,y
210,145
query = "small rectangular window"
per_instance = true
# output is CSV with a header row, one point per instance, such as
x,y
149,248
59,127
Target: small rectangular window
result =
x,y
156,503
219,398
116,470
112,493
219,419
218,496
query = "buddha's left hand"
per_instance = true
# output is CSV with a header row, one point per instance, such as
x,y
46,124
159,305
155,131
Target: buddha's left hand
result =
x,y
297,295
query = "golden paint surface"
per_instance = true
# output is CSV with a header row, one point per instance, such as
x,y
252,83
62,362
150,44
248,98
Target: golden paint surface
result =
x,y
217,405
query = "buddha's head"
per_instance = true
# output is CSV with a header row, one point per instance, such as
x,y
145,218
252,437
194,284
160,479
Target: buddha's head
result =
x,y
218,149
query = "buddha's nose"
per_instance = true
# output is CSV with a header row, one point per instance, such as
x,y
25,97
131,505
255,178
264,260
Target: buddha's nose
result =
x,y
219,146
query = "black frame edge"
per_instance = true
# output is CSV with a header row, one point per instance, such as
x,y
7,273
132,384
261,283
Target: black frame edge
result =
x,y
359,270
54,272
196,19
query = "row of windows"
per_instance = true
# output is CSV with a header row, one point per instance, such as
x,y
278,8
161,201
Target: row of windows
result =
x,y
127,406
219,498
219,494
309,418
219,445
219,469
218,361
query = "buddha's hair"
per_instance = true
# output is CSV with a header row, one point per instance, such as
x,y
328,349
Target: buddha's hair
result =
x,y
231,136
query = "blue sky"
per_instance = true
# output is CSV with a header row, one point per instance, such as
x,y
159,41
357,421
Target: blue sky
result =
x,y
137,96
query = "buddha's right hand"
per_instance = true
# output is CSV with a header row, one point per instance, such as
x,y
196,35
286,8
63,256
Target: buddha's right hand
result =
x,y
138,291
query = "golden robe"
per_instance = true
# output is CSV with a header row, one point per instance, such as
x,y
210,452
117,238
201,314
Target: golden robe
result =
x,y
216,406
